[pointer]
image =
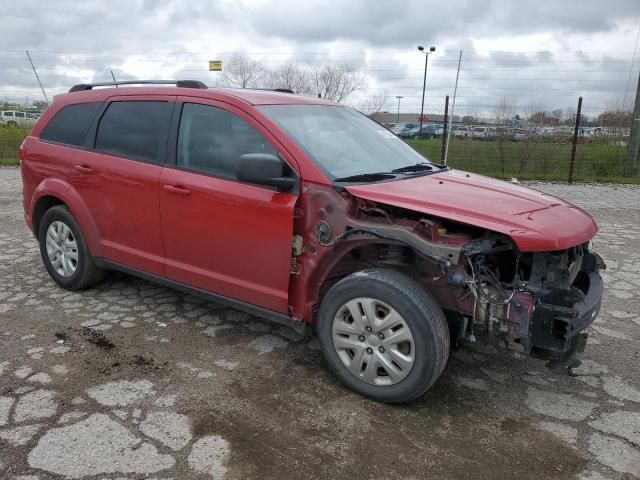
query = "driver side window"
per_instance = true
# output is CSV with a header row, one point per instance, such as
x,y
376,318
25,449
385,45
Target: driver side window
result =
x,y
212,140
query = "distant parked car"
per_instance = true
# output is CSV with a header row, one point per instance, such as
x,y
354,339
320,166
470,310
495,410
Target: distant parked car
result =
x,y
461,132
428,132
398,128
519,135
409,132
481,133
13,118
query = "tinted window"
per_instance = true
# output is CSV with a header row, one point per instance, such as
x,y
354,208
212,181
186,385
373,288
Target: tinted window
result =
x,y
211,140
71,123
8,114
20,114
134,129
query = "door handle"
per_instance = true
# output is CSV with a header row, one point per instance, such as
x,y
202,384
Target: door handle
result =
x,y
84,168
177,189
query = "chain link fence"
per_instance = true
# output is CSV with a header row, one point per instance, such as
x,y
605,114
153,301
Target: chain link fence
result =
x,y
502,140
527,143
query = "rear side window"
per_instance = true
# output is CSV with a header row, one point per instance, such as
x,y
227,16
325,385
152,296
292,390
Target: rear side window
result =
x,y
71,123
134,129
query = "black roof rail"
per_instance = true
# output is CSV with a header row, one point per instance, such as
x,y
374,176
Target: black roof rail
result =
x,y
281,90
178,83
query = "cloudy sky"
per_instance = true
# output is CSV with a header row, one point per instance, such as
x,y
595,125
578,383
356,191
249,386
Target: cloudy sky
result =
x,y
544,52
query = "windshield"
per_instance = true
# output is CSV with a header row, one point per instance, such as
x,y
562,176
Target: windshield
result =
x,y
342,141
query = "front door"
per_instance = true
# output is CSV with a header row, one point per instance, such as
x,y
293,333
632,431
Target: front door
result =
x,y
221,235
117,176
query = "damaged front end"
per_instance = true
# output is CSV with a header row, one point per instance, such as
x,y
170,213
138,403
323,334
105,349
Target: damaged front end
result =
x,y
542,300
484,283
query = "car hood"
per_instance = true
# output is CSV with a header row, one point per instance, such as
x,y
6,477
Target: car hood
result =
x,y
534,220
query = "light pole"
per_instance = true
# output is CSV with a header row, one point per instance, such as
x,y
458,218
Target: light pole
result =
x,y
424,81
399,97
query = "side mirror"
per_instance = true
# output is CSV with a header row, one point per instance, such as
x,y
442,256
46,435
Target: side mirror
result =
x,y
264,169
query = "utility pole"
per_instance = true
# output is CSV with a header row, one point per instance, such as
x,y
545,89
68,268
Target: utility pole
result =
x,y
399,97
36,74
453,107
633,148
424,80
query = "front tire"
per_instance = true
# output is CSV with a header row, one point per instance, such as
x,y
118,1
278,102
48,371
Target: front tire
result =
x,y
64,251
383,335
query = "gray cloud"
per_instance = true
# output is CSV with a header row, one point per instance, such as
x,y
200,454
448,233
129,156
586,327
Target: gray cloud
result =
x,y
73,42
396,24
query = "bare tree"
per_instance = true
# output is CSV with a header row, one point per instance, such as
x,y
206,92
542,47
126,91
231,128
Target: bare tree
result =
x,y
375,103
243,71
504,109
337,82
533,115
293,77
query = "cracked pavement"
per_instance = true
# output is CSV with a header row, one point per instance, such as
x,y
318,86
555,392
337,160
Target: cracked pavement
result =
x,y
132,380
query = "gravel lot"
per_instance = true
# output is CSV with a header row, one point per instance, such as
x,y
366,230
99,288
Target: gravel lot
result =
x,y
131,380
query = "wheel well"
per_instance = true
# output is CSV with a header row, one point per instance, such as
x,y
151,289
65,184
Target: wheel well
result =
x,y
44,204
390,256
387,255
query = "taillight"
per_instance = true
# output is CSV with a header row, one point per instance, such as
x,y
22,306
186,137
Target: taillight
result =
x,y
22,153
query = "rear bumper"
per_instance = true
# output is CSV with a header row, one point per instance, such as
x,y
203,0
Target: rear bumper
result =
x,y
554,328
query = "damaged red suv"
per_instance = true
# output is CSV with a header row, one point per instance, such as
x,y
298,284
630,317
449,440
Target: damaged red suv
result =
x,y
310,214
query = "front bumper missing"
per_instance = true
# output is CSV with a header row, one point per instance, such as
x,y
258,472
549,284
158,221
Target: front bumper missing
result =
x,y
554,328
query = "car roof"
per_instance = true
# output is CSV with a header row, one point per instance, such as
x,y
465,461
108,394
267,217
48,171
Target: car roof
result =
x,y
244,95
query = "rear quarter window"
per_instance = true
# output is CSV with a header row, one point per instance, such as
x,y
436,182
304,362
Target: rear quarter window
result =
x,y
71,124
134,129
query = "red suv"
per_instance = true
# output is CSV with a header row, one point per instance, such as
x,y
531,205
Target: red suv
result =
x,y
307,213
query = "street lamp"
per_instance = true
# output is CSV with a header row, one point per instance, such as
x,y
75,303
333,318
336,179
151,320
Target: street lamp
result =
x,y
424,81
399,97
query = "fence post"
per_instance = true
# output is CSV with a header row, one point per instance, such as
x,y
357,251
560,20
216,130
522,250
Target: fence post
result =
x,y
572,163
443,149
633,146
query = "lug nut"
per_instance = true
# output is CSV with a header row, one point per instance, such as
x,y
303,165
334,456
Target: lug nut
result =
x,y
381,336
361,338
381,349
368,329
369,350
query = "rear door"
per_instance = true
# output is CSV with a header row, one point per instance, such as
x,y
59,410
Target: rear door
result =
x,y
221,235
117,176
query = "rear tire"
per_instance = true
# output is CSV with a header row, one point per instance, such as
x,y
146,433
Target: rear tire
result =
x,y
64,251
359,320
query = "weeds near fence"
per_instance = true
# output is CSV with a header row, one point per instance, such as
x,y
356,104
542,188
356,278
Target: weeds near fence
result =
x,y
531,160
10,141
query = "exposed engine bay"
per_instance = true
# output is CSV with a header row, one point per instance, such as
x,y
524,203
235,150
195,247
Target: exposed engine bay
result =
x,y
484,283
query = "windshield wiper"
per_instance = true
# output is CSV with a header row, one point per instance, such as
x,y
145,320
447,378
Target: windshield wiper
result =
x,y
418,167
366,177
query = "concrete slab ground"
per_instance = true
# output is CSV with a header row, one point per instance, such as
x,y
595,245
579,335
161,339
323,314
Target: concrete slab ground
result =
x,y
132,380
